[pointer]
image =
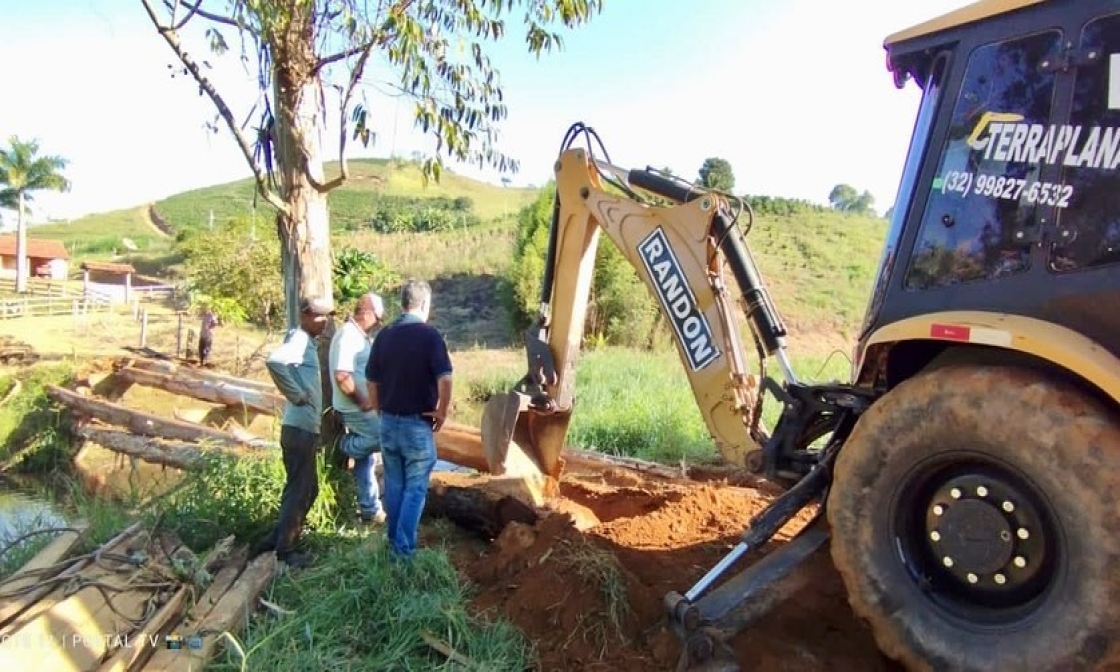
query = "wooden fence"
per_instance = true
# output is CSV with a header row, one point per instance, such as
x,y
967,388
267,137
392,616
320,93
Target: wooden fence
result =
x,y
40,306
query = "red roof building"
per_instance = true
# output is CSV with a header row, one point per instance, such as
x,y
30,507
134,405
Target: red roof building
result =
x,y
48,258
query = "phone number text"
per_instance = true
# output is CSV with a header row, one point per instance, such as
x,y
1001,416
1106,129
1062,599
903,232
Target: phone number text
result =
x,y
1006,188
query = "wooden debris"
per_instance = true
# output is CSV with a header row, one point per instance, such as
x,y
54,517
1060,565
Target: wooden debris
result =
x,y
144,643
229,614
171,368
37,569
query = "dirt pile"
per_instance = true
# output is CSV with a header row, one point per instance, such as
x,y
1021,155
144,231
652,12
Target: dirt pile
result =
x,y
592,600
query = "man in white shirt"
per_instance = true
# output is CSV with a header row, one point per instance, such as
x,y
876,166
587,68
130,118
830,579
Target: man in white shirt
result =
x,y
349,353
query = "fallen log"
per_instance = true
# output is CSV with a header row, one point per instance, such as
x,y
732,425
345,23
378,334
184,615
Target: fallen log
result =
x,y
177,454
215,391
173,369
139,422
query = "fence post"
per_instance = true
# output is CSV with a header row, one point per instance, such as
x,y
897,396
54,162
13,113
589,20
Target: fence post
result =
x,y
144,328
179,336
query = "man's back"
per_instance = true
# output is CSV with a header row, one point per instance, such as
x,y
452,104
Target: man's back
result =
x,y
408,358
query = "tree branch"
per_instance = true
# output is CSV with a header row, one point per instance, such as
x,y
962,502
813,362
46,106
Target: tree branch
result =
x,y
172,39
196,8
355,77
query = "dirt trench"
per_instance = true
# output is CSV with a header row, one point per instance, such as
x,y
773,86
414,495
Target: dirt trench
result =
x,y
592,600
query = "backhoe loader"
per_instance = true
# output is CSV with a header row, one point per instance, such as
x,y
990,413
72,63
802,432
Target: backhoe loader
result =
x,y
967,477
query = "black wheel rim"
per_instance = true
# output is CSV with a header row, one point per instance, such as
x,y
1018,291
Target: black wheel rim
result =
x,y
978,538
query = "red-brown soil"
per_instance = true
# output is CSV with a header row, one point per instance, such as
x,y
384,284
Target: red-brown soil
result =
x,y
555,582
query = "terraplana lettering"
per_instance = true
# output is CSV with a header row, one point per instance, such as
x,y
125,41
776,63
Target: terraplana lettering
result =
x,y
1004,137
691,326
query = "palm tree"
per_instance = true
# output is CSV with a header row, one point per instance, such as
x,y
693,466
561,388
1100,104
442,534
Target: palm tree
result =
x,y
22,172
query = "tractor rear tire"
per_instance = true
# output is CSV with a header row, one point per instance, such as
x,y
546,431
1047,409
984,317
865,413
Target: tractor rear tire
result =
x,y
976,525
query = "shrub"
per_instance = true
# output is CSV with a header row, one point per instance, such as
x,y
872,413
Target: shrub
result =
x,y
621,310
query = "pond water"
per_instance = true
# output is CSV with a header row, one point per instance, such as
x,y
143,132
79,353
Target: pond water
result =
x,y
22,512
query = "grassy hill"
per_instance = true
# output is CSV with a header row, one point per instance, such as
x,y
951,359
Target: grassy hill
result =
x,y
350,204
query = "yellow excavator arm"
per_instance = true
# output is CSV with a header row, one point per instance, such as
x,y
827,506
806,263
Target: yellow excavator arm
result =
x,y
679,252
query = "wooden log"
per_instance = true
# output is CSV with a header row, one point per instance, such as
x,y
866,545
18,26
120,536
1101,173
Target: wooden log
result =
x,y
139,422
171,368
27,605
477,504
178,454
143,643
229,614
214,391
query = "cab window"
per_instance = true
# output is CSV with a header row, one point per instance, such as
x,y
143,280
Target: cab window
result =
x,y
1088,212
980,200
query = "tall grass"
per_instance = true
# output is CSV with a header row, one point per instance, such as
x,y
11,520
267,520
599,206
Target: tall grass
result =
x,y
361,610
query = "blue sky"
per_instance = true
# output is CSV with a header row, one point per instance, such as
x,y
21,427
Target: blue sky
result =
x,y
793,93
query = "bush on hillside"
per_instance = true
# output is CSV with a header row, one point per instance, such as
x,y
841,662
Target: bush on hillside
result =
x,y
400,214
620,311
357,272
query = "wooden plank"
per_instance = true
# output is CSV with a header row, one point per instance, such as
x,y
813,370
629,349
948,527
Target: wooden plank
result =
x,y
214,391
74,634
49,556
139,422
27,605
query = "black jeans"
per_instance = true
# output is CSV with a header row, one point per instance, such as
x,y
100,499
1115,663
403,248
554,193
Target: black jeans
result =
x,y
301,488
205,345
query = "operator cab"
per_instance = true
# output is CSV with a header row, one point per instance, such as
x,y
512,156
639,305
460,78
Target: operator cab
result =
x,y
1009,200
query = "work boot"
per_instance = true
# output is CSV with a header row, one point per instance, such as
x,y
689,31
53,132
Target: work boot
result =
x,y
297,559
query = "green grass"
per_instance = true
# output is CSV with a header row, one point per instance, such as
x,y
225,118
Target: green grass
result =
x,y
636,403
98,236
350,203
359,609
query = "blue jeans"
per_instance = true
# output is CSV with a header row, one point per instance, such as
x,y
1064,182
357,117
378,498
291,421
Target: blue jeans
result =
x,y
408,449
360,443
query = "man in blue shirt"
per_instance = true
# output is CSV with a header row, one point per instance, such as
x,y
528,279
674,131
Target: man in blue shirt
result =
x,y
409,375
294,368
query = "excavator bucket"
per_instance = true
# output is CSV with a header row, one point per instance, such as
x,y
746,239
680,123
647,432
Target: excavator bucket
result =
x,y
521,443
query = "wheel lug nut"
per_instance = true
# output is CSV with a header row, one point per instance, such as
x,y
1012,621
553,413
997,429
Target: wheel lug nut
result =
x,y
955,493
1023,533
981,491
947,561
972,578
938,510
1020,561
1000,579
935,535
1008,507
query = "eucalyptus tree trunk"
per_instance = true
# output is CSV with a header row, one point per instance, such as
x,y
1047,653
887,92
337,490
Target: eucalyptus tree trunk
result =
x,y
305,229
22,262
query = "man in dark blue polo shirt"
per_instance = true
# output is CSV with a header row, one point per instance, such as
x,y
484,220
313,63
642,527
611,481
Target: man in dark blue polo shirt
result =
x,y
409,374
